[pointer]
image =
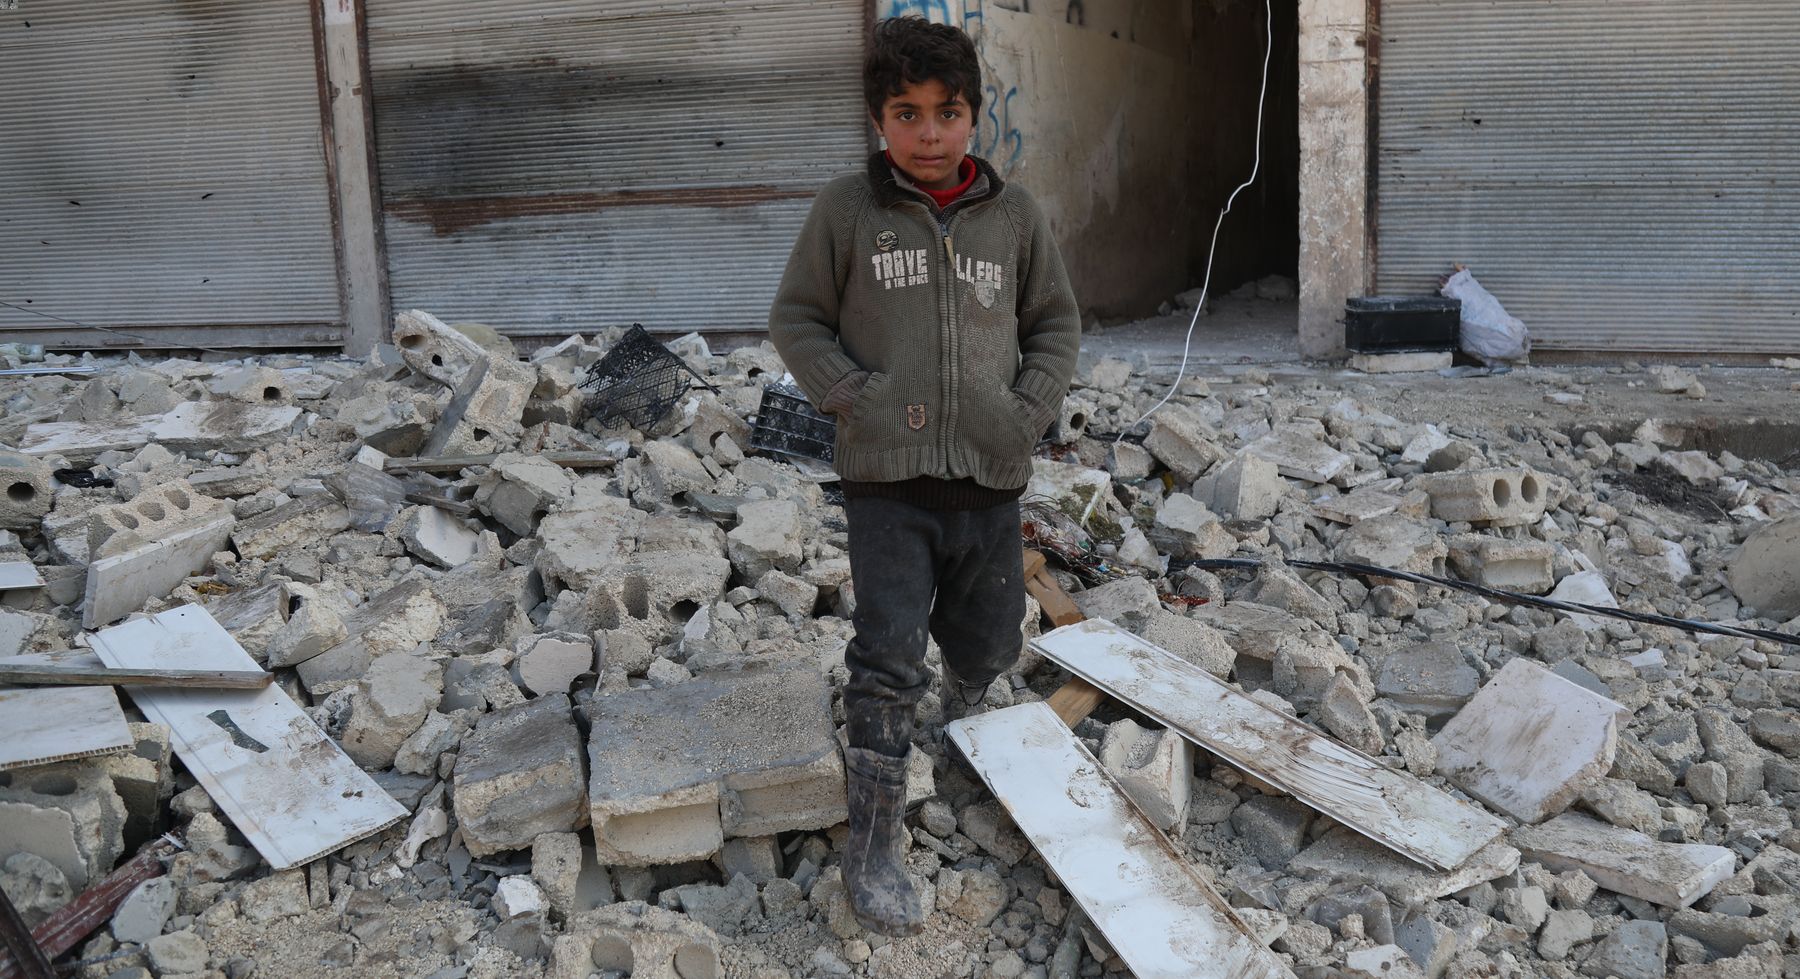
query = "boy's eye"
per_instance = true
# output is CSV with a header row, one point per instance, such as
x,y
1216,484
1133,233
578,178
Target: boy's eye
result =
x,y
904,117
951,113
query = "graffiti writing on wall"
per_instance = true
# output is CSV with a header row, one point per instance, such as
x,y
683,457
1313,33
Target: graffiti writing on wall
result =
x,y
997,137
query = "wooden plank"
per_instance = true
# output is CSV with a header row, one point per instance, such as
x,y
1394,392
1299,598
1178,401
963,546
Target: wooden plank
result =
x,y
1034,562
1075,700
74,921
1387,806
30,960
1056,604
348,123
450,464
40,726
286,786
1158,914
79,675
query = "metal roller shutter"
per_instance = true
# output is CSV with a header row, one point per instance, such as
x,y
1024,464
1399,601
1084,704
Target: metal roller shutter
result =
x,y
1621,174
550,166
164,173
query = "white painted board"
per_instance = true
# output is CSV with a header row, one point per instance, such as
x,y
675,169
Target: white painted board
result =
x,y
1388,806
39,725
19,574
1159,915
298,798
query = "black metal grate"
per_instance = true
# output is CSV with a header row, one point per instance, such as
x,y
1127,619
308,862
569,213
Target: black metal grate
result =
x,y
786,423
637,382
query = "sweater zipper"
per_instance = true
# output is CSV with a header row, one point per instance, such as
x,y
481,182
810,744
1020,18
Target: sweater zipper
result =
x,y
946,351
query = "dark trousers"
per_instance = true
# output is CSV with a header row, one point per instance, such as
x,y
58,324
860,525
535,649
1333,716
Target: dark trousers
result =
x,y
957,574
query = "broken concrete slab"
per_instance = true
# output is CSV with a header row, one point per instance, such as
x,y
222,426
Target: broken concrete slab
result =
x,y
758,755
433,349
552,662
519,774
156,514
1673,875
486,410
1183,441
1244,487
1764,573
1394,541
392,699
437,536
1530,742
1130,601
1430,678
768,537
252,384
519,490
1186,529
1156,769
1300,456
193,428
1342,855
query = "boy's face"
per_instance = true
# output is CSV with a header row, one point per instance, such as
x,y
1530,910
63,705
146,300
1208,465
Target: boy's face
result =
x,y
927,130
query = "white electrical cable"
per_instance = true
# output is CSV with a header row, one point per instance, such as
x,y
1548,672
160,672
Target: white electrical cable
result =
x,y
1211,249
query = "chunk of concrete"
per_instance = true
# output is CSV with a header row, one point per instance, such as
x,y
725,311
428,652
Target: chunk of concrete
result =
x,y
437,537
1394,541
768,537
313,626
1765,572
1300,456
486,410
755,755
1673,875
1344,856
391,700
1183,441
1186,529
433,349
551,663
302,521
193,428
1344,712
1129,602
280,895
1430,678
794,596
634,939
671,469
1529,743
1273,828
1508,565
1156,769
66,813
252,384
1381,962
1245,487
1634,950
517,896
1728,745
1494,497
519,490
28,491
145,911
1198,643
34,886
518,775
121,583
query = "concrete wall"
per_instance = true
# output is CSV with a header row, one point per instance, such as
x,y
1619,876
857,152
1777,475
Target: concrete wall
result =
x,y
1087,105
1334,261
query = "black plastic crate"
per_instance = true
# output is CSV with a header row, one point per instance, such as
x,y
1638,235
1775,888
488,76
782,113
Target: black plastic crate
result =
x,y
1388,324
637,382
786,423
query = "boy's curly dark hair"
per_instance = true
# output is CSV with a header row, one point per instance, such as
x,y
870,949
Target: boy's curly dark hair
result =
x,y
908,50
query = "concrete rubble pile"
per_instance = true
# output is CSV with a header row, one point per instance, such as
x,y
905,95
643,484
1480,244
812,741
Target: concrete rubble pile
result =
x,y
608,693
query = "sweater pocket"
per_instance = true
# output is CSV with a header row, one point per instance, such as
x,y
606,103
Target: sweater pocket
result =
x,y
998,425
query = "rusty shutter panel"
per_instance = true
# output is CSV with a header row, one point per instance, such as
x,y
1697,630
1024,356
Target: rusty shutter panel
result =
x,y
1621,175
164,174
556,167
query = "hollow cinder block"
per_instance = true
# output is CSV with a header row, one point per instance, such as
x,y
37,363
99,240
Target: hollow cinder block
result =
x,y
1501,497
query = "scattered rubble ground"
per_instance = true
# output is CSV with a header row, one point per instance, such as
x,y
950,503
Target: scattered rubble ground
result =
x,y
461,628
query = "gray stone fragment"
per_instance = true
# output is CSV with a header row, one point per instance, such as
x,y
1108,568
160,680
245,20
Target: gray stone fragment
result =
x,y
1273,828
1430,678
177,953
1727,744
144,912
1128,603
34,885
393,698
519,774
1634,950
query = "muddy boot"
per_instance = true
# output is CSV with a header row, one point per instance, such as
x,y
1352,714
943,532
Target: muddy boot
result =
x,y
875,858
959,697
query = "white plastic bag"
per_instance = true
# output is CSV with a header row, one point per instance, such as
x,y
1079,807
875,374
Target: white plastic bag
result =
x,y
1488,331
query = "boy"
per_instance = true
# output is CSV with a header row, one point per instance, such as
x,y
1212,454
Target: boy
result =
x,y
926,307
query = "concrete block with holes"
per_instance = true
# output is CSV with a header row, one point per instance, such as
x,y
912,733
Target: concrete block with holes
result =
x,y
143,549
25,491
67,813
253,385
1496,497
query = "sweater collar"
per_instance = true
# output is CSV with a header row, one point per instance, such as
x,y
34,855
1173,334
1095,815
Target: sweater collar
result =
x,y
892,187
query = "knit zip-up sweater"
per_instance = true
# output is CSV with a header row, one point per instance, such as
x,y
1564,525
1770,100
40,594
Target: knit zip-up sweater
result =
x,y
963,319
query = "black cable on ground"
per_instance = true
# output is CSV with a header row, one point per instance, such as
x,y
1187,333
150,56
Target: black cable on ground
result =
x,y
1495,594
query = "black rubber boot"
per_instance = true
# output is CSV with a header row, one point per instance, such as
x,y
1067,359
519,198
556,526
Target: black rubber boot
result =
x,y
875,860
959,697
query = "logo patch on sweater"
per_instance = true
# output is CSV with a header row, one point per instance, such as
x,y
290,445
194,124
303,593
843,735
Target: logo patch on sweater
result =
x,y
915,417
886,240
899,269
